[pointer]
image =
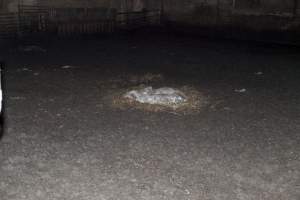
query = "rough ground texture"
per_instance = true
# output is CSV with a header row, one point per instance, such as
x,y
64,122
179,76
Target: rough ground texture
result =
x,y
63,141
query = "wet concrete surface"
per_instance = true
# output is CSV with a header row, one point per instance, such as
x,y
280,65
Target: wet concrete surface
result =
x,y
63,141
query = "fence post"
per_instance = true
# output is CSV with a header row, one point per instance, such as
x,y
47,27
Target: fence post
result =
x,y
295,10
114,19
19,34
145,12
162,12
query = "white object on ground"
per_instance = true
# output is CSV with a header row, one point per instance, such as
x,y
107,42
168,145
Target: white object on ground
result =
x,y
67,67
259,73
240,90
17,98
163,96
33,48
25,69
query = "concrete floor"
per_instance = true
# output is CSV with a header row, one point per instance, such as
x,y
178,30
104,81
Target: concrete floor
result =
x,y
63,140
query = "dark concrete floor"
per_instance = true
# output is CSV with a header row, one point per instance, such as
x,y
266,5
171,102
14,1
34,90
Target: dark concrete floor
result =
x,y
62,140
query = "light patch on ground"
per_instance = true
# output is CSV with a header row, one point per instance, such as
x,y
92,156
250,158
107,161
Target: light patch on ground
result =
x,y
114,90
195,101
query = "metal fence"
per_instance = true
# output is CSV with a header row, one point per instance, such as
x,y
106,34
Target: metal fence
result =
x,y
33,20
40,20
133,20
81,21
9,25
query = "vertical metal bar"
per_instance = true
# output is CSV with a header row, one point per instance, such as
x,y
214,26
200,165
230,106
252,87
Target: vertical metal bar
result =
x,y
19,19
162,12
114,18
1,4
127,18
295,10
218,12
1,94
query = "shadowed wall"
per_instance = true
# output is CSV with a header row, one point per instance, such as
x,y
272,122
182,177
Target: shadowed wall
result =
x,y
254,15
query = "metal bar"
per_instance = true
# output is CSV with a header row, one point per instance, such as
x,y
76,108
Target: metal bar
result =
x,y
295,10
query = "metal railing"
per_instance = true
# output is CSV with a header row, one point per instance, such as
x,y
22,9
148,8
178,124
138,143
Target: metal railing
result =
x,y
129,20
32,20
81,21
9,25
